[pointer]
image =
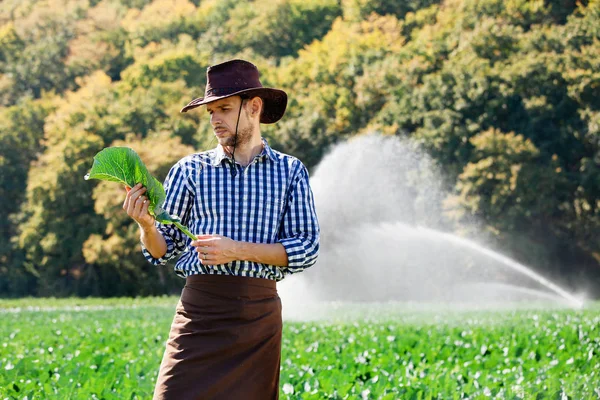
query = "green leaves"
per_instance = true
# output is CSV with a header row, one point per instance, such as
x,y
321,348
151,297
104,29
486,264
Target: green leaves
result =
x,y
123,165
72,347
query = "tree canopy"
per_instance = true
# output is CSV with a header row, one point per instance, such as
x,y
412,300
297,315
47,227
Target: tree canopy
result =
x,y
502,94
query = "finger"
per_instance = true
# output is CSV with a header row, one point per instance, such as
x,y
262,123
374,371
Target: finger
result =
x,y
127,203
130,204
203,243
205,250
129,189
207,254
139,204
136,188
145,207
135,193
133,203
212,261
127,200
206,242
205,236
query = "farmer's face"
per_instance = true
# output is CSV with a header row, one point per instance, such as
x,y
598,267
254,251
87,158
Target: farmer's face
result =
x,y
223,118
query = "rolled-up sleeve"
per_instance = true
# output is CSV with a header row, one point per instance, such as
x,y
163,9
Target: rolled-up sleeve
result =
x,y
299,232
179,199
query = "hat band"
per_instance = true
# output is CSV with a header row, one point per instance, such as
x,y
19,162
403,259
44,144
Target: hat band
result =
x,y
224,91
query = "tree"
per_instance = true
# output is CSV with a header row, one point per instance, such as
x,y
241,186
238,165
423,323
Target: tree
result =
x,y
324,106
58,216
168,63
152,23
502,94
21,133
100,42
495,186
279,28
358,10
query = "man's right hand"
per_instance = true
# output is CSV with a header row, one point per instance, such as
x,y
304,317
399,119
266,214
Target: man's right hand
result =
x,y
136,206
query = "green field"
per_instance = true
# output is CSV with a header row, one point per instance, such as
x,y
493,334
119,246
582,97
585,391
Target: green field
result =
x,y
111,349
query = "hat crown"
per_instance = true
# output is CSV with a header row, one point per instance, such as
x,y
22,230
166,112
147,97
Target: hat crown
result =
x,y
240,78
231,77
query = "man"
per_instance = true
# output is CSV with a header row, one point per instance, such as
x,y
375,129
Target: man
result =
x,y
252,210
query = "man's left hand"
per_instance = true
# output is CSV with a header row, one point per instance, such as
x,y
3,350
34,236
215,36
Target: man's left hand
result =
x,y
215,249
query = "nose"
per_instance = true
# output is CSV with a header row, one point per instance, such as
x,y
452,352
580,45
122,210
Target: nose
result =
x,y
215,120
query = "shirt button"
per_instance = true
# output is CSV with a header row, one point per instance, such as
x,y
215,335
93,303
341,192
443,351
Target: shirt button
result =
x,y
243,226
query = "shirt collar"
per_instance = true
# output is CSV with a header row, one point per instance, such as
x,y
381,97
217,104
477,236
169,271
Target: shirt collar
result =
x,y
220,155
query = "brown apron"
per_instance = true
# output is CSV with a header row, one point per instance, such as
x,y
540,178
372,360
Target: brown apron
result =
x,y
225,341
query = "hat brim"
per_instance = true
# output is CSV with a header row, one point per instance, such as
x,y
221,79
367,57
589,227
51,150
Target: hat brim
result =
x,y
275,102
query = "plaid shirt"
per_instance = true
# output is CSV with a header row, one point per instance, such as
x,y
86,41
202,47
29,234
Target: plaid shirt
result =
x,y
268,201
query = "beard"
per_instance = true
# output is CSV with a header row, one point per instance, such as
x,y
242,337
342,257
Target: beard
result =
x,y
244,136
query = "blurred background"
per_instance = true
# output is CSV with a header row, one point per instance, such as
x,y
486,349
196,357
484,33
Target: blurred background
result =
x,y
502,96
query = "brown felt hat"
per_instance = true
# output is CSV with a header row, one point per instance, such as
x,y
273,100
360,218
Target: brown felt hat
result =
x,y
241,78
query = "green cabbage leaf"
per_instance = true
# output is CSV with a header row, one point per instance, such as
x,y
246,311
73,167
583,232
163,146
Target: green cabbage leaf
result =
x,y
123,165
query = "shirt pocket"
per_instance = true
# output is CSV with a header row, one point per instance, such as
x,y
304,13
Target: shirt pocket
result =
x,y
272,206
272,209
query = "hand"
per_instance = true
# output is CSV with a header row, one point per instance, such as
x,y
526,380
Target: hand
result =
x,y
136,206
215,249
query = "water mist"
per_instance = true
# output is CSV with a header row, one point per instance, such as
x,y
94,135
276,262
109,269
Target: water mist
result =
x,y
379,203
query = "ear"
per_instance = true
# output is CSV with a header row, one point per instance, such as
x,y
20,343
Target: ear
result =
x,y
255,105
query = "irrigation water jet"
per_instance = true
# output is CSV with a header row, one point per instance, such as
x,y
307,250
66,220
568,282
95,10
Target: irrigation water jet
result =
x,y
379,201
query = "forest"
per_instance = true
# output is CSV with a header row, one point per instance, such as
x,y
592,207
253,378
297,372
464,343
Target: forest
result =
x,y
504,95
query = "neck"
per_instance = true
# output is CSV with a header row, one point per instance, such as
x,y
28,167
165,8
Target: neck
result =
x,y
245,153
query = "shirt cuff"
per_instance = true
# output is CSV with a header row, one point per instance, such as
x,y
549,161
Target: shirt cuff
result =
x,y
294,248
162,260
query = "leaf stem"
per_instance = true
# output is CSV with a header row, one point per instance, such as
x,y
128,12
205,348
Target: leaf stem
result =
x,y
185,230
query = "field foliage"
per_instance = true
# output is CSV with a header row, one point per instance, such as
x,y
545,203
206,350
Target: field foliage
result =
x,y
112,350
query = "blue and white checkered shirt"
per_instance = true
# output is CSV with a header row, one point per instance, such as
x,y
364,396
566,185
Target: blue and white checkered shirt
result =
x,y
269,201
